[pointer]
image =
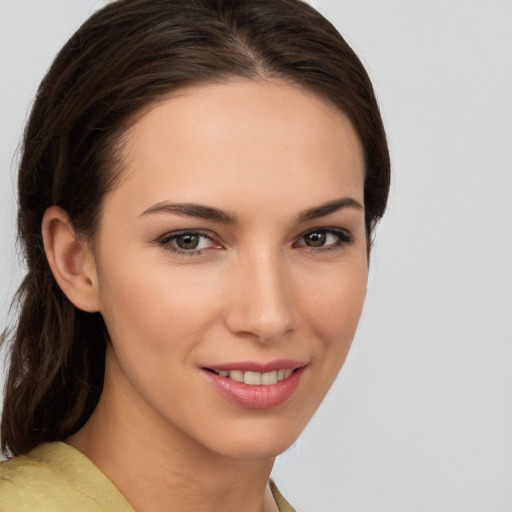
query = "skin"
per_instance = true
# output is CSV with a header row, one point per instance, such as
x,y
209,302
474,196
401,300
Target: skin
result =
x,y
263,152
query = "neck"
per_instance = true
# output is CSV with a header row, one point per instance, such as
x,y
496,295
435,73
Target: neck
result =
x,y
159,468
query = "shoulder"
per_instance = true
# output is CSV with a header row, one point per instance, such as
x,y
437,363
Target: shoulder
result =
x,y
282,504
26,485
55,477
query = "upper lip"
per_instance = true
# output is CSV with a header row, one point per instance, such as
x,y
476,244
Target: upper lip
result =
x,y
257,366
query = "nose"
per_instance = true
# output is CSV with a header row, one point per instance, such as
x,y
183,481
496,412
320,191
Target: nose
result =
x,y
263,304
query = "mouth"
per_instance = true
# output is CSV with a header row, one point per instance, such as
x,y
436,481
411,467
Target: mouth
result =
x,y
254,385
254,378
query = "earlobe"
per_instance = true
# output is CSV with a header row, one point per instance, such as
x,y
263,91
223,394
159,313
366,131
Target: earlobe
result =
x,y
71,260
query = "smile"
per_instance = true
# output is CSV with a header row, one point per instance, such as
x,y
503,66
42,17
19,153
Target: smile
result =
x,y
256,378
255,385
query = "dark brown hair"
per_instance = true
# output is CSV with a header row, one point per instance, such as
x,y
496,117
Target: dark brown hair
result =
x,y
127,55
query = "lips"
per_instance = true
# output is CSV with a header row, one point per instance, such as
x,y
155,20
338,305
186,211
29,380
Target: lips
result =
x,y
254,385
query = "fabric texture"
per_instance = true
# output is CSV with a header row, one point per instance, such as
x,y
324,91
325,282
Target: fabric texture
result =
x,y
55,477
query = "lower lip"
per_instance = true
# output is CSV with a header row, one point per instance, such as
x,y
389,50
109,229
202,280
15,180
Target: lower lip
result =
x,y
255,397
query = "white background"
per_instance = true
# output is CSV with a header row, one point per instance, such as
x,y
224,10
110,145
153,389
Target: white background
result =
x,y
420,419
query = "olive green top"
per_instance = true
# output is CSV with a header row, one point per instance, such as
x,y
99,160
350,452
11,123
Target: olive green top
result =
x,y
55,477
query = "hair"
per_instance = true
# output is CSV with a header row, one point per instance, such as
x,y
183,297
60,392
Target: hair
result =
x,y
126,56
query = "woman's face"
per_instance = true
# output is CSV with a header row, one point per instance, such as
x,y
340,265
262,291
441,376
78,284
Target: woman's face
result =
x,y
233,248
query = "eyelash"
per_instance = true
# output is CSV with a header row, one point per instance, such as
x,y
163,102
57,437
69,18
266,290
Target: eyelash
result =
x,y
343,238
166,241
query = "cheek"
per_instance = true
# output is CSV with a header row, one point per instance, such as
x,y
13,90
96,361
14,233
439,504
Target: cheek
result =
x,y
155,319
335,304
154,308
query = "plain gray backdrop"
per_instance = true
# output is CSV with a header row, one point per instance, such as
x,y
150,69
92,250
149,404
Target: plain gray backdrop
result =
x,y
420,419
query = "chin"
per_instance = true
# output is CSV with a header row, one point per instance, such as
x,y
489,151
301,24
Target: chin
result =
x,y
255,448
256,439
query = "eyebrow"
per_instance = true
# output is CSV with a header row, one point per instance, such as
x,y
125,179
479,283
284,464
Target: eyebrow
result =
x,y
193,210
217,215
330,207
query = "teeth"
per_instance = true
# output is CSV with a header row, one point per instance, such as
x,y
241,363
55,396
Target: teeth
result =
x,y
269,378
252,378
237,375
256,378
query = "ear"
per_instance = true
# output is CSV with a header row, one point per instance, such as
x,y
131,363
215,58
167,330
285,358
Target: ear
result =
x,y
71,260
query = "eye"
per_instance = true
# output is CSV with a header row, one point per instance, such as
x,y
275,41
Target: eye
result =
x,y
324,238
187,242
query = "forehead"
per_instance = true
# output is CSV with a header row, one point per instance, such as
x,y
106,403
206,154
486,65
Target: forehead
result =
x,y
242,137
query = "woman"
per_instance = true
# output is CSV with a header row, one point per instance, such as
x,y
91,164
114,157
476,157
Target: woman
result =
x,y
199,185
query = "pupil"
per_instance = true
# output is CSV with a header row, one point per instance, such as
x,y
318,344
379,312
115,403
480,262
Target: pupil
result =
x,y
187,241
315,239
